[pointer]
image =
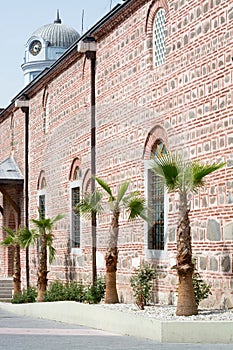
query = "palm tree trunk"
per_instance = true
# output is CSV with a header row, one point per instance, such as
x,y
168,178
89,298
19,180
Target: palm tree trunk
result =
x,y
111,258
42,272
186,305
17,270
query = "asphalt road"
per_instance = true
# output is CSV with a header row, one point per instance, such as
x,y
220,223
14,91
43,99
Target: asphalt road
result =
x,y
24,333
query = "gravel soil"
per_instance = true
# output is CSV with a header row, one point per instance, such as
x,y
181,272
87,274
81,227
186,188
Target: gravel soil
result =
x,y
168,313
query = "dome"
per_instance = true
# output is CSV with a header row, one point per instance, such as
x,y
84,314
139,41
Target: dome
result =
x,y
57,34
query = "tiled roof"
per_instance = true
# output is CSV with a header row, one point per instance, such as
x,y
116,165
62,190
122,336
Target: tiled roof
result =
x,y
9,171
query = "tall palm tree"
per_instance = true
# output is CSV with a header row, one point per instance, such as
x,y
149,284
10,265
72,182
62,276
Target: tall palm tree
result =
x,y
44,231
134,205
186,178
13,239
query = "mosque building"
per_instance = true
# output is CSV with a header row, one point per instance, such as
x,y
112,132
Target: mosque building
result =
x,y
158,76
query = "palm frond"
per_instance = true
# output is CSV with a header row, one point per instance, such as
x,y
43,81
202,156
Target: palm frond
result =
x,y
168,167
46,224
130,196
49,243
136,208
10,232
41,215
122,191
49,238
12,239
8,241
106,188
200,171
90,203
52,252
28,237
42,223
57,218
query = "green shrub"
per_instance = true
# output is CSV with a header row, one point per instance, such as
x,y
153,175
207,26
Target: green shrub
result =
x,y
201,288
55,292
95,293
141,283
75,291
26,296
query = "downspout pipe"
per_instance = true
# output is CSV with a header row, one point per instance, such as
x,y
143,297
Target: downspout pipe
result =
x,y
23,103
88,46
92,55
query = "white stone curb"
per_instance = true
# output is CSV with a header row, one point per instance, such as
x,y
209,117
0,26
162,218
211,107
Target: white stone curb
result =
x,y
212,332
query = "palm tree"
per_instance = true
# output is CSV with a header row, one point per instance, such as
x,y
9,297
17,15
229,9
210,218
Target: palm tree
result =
x,y
186,178
44,231
13,239
134,205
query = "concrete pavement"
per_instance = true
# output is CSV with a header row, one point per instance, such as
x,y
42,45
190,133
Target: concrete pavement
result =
x,y
24,333
124,323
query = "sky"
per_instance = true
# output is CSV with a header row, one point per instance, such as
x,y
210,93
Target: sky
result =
x,y
19,19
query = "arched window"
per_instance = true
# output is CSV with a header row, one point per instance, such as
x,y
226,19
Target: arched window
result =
x,y
77,173
46,107
41,187
156,203
47,112
75,197
159,48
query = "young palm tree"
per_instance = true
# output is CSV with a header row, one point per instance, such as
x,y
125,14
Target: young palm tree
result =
x,y
13,239
135,207
44,228
186,178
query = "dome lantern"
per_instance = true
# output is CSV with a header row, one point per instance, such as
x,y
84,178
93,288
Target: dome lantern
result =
x,y
45,46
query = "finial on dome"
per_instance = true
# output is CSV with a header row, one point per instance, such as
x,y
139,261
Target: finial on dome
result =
x,y
58,20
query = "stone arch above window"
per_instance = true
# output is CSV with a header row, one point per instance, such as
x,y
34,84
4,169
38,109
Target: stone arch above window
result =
x,y
41,184
75,170
46,109
155,135
156,31
45,97
152,11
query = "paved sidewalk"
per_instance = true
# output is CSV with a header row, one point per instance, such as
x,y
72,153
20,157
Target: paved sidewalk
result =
x,y
130,324
23,333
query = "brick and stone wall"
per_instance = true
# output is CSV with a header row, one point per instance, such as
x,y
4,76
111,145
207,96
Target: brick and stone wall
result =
x,y
186,102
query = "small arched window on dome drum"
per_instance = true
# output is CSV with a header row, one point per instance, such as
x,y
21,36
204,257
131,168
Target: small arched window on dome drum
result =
x,y
156,202
159,34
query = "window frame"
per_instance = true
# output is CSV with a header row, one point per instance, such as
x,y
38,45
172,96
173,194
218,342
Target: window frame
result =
x,y
41,193
155,61
155,253
75,250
